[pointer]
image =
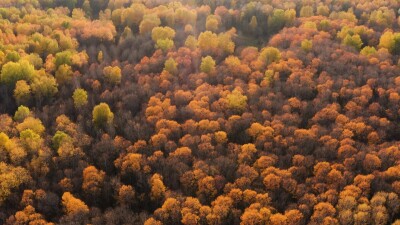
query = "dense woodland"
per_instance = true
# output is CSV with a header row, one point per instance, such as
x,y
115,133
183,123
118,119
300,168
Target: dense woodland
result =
x,y
117,112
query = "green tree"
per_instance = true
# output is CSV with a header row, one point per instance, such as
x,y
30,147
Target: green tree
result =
x,y
269,55
44,87
64,57
165,44
59,138
306,45
21,113
368,50
13,56
207,65
276,21
80,98
353,40
102,115
15,71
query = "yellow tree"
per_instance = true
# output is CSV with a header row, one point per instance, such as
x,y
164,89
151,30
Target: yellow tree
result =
x,y
73,205
92,181
102,115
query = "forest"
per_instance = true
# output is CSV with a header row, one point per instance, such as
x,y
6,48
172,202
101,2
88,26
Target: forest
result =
x,y
199,112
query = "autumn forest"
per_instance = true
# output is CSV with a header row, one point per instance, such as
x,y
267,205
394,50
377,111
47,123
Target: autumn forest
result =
x,y
199,112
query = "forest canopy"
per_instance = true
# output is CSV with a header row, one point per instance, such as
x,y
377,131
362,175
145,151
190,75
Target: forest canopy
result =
x,y
204,112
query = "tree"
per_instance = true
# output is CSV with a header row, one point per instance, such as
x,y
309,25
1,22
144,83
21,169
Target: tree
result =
x,y
73,205
22,113
59,138
32,124
162,33
237,102
207,65
253,24
126,195
158,188
306,45
208,41
80,98
133,15
353,40
12,72
112,74
102,115
149,22
11,178
44,87
92,181
22,92
212,23
165,44
191,42
64,57
64,74
269,55
171,66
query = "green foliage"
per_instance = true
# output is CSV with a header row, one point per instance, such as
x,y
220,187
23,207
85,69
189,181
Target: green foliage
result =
x,y
269,55
171,66
22,113
13,56
396,46
44,87
237,102
165,44
207,65
306,45
80,98
64,57
269,77
59,138
368,50
102,115
279,18
15,71
353,40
